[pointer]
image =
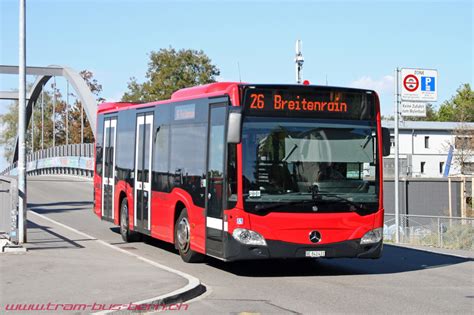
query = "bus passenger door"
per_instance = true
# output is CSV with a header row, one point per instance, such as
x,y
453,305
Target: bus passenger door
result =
x,y
215,179
108,167
142,187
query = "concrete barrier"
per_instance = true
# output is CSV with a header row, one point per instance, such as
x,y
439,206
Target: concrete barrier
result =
x,y
9,207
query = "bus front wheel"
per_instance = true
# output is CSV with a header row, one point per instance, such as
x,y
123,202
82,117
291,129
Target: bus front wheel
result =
x,y
182,236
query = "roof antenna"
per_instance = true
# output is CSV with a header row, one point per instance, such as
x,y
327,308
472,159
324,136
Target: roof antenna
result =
x,y
240,77
326,79
299,60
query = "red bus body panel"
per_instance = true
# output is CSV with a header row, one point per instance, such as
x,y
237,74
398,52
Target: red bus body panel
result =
x,y
286,227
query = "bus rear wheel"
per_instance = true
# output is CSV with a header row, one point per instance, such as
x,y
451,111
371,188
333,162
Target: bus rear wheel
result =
x,y
182,236
127,235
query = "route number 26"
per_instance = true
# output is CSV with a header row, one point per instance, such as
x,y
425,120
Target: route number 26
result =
x,y
257,101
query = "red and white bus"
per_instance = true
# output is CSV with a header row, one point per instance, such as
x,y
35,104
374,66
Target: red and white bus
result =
x,y
243,171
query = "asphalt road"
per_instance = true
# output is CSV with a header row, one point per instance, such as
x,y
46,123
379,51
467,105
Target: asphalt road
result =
x,y
402,281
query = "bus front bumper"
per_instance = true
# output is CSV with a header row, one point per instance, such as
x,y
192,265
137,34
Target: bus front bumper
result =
x,y
279,249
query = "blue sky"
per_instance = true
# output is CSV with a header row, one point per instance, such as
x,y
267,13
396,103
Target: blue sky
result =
x,y
352,43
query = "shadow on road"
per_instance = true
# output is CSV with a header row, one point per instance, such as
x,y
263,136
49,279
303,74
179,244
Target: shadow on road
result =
x,y
42,237
62,206
394,260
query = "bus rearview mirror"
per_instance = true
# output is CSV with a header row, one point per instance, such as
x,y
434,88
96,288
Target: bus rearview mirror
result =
x,y
386,144
234,127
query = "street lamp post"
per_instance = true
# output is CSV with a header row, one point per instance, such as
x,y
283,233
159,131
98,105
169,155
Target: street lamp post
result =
x,y
22,202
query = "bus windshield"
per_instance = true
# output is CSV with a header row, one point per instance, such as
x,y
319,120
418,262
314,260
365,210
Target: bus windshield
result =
x,y
312,164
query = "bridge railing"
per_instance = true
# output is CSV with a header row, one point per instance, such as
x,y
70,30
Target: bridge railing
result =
x,y
73,159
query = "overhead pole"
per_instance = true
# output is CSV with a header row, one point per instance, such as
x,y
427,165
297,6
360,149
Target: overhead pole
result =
x,y
299,60
22,202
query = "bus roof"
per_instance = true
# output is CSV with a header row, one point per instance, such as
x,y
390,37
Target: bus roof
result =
x,y
200,91
209,90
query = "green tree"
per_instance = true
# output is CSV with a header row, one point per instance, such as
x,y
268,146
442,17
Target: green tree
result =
x,y
8,133
460,107
76,108
170,70
389,117
464,145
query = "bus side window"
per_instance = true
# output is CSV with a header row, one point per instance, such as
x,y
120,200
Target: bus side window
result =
x,y
99,146
98,165
187,159
161,158
232,169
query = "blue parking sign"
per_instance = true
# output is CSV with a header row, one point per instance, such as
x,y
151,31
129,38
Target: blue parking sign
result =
x,y
428,84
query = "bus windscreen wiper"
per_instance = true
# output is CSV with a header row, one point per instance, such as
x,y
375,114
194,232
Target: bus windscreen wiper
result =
x,y
343,199
275,205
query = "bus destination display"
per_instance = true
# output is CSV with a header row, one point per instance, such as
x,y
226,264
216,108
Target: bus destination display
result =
x,y
324,104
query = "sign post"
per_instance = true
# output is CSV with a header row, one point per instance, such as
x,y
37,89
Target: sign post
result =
x,y
397,211
418,86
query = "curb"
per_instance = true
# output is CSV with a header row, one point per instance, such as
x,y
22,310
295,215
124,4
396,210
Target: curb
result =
x,y
7,247
164,300
193,289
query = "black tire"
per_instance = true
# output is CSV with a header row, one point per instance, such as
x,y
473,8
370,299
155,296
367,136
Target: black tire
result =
x,y
127,235
183,240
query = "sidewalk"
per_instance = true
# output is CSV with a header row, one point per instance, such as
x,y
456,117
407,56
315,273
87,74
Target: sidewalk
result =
x,y
64,267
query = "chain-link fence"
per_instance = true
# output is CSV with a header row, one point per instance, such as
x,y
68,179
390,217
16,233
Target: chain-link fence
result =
x,y
438,231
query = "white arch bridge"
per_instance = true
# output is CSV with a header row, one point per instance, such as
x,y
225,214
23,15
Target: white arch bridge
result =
x,y
74,158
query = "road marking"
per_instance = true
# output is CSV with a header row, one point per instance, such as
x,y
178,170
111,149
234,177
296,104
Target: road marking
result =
x,y
193,282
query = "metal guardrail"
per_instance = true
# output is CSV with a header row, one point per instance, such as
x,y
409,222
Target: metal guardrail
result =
x,y
8,207
437,231
74,159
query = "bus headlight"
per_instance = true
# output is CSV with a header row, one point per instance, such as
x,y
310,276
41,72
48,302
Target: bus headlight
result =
x,y
373,236
248,237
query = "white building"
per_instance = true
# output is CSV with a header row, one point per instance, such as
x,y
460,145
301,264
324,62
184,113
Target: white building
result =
x,y
424,148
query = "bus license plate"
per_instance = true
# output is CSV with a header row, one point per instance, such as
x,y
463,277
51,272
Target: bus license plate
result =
x,y
315,253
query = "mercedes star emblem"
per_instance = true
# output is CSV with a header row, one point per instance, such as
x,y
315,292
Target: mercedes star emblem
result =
x,y
315,236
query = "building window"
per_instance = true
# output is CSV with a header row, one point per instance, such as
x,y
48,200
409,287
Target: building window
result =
x,y
441,167
422,167
427,142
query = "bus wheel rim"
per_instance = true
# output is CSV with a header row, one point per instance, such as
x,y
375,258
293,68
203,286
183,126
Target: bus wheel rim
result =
x,y
123,219
183,235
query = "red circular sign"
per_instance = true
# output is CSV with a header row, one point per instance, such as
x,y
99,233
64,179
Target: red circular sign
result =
x,y
411,83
